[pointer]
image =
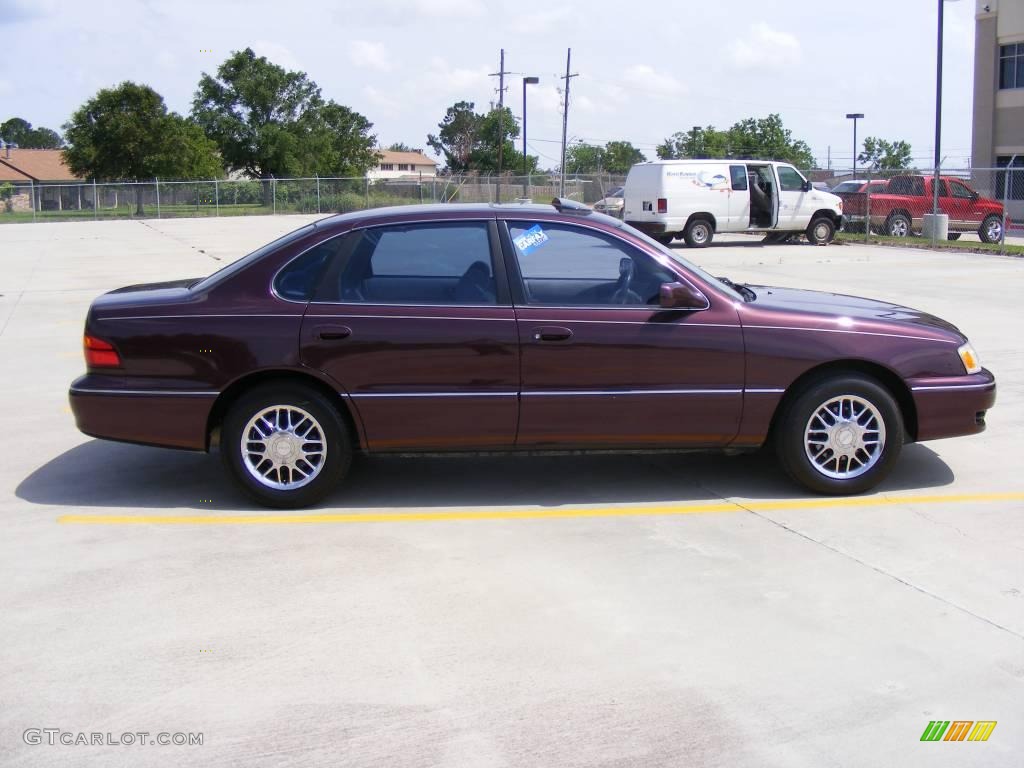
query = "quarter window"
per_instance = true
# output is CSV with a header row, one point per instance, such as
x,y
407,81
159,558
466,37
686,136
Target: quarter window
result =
x,y
563,265
443,263
790,180
299,278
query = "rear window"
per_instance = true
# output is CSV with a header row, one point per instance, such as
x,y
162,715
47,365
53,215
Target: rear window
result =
x,y
237,266
847,186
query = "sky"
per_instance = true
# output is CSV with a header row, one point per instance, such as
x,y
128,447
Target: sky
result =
x,y
646,70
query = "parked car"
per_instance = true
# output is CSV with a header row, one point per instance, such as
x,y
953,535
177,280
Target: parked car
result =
x,y
611,203
899,210
694,199
483,328
862,186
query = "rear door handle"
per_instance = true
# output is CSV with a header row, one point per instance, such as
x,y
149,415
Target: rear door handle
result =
x,y
551,333
335,333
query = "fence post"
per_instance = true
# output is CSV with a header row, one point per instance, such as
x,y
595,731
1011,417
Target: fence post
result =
x,y
1006,199
95,201
156,179
216,198
273,191
367,192
32,192
867,209
318,193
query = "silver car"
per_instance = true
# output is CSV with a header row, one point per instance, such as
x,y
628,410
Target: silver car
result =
x,y
612,204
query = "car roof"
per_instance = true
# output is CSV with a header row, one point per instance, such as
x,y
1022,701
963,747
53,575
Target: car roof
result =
x,y
458,210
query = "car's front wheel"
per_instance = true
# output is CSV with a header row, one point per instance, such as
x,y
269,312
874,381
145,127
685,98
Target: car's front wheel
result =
x,y
285,445
898,225
840,435
991,230
821,231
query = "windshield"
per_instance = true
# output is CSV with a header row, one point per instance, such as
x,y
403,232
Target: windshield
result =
x,y
617,192
708,277
847,186
259,253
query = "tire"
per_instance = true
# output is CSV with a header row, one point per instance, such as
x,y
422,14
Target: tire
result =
x,y
991,229
821,231
663,239
698,233
953,235
898,225
834,473
291,411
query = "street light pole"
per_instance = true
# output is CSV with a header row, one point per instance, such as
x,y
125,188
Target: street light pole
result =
x,y
938,120
525,175
855,116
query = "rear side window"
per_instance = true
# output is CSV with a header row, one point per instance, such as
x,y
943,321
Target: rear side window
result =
x,y
442,263
299,278
739,176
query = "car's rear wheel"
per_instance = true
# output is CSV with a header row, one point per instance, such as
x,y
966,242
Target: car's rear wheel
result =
x,y
898,225
991,230
698,233
285,445
840,435
821,231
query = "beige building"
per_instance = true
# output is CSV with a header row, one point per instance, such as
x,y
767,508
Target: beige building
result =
x,y
402,165
999,95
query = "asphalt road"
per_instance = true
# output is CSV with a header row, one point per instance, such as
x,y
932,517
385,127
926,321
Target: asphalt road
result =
x,y
549,611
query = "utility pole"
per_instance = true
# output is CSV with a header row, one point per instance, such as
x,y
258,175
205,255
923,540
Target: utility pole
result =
x,y
500,74
565,118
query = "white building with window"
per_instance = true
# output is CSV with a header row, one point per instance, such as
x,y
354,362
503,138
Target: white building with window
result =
x,y
403,165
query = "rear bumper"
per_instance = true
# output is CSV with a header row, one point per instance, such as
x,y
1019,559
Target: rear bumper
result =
x,y
107,407
649,227
953,406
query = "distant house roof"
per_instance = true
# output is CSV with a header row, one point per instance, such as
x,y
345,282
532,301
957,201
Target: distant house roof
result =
x,y
408,158
35,164
11,174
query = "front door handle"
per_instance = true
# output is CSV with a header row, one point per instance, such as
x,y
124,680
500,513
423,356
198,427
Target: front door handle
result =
x,y
335,333
551,334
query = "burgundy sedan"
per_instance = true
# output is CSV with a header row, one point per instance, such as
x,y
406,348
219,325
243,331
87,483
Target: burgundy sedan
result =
x,y
522,327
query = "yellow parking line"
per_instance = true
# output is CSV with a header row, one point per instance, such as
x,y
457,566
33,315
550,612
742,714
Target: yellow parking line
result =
x,y
662,510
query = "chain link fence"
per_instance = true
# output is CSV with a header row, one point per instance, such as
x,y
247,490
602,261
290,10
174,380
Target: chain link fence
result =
x,y
177,199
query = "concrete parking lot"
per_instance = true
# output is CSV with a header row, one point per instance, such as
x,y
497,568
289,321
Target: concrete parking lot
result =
x,y
544,611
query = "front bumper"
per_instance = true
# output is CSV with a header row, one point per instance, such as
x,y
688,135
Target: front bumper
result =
x,y
953,406
112,408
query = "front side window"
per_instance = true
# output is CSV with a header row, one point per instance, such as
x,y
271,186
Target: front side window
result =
x,y
959,190
563,265
1011,66
790,180
442,263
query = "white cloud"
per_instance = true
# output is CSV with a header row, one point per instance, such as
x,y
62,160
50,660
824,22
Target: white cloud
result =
x,y
765,48
381,100
276,54
646,79
367,55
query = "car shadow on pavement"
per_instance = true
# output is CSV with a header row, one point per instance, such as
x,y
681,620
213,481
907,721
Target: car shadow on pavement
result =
x,y
105,474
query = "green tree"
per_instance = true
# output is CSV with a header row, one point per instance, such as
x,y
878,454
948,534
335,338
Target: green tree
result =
x,y
271,122
620,156
614,157
127,133
763,138
882,154
469,141
399,146
21,133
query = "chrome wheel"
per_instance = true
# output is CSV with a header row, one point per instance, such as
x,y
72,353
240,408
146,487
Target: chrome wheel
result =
x,y
844,437
994,230
699,233
899,227
283,447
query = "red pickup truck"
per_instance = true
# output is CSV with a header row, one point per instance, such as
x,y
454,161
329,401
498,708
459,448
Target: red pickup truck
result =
x,y
899,210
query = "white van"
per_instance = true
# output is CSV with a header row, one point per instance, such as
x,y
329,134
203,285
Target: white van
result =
x,y
693,199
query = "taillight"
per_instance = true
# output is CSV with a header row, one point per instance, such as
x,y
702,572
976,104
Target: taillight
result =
x,y
99,353
662,205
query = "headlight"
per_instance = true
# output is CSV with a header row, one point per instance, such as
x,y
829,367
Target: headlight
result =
x,y
969,358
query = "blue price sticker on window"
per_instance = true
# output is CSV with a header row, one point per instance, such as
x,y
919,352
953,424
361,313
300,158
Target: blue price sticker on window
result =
x,y
531,239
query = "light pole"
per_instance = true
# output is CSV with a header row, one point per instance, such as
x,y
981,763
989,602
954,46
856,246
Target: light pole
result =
x,y
855,116
938,119
526,81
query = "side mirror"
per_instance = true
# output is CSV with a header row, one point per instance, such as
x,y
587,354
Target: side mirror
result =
x,y
808,186
681,296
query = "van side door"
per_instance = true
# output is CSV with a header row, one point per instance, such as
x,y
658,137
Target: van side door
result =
x,y
739,201
795,207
